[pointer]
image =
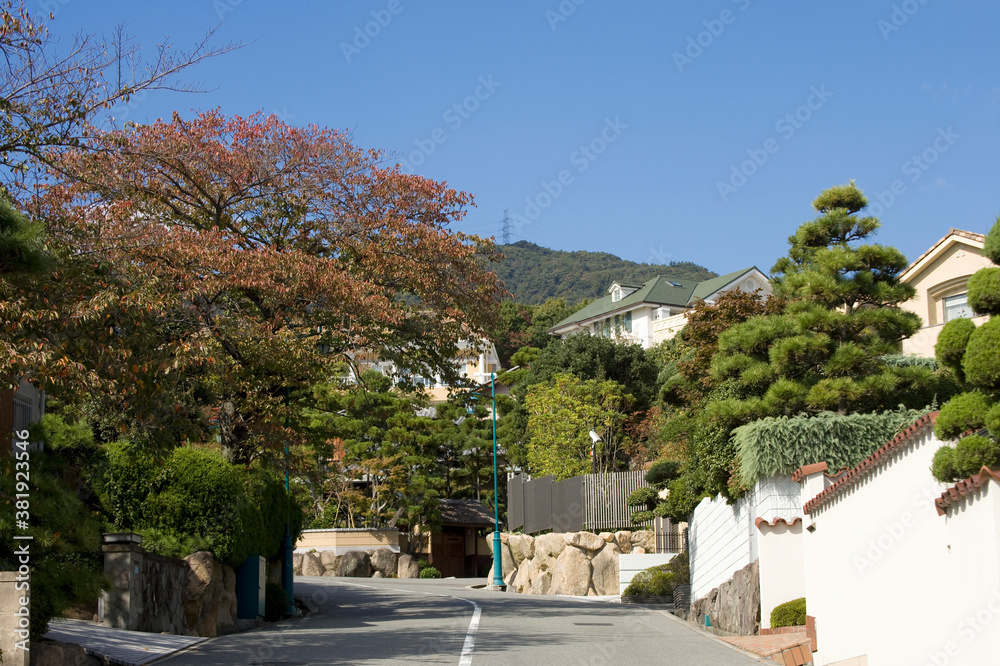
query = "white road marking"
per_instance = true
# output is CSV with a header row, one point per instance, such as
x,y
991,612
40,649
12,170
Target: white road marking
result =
x,y
470,635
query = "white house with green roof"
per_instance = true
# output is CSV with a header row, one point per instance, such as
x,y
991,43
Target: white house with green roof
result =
x,y
655,311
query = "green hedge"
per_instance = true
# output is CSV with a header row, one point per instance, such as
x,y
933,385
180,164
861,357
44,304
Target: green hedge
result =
x,y
662,579
789,614
780,445
430,572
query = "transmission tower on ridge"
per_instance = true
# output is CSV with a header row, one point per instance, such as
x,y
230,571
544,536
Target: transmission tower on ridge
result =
x,y
505,233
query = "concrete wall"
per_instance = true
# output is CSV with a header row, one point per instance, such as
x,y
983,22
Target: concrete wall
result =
x,y
878,578
723,538
782,574
342,540
146,590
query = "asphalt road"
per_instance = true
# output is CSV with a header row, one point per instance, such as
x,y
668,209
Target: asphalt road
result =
x,y
391,621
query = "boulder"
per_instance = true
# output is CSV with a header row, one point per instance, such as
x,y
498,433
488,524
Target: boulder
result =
x,y
572,572
645,539
274,570
297,563
605,570
385,562
607,536
355,564
549,545
202,594
624,541
311,565
328,558
407,567
522,547
53,653
522,579
638,550
227,605
378,574
541,581
506,556
584,540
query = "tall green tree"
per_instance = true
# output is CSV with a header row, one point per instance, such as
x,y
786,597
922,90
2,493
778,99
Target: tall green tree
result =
x,y
561,414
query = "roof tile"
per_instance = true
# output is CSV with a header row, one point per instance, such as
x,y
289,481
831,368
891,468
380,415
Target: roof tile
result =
x,y
963,488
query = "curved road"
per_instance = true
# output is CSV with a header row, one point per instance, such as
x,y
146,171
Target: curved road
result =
x,y
394,621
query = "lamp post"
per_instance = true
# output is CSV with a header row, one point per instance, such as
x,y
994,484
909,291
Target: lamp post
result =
x,y
497,558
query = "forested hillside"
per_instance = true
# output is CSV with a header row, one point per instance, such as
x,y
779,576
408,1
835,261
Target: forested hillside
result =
x,y
534,274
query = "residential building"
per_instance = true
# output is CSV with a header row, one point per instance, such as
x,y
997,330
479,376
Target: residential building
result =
x,y
655,311
20,407
941,277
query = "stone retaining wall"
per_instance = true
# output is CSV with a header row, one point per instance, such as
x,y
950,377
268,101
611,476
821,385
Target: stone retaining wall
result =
x,y
733,607
572,563
372,563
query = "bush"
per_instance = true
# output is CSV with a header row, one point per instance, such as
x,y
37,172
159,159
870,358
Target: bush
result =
x,y
991,248
430,572
661,579
943,465
644,496
275,602
973,452
789,614
982,362
951,344
992,420
124,481
662,473
984,291
962,413
640,517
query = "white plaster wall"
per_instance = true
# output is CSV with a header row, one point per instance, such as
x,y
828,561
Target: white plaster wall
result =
x,y
722,538
876,566
629,565
782,572
972,580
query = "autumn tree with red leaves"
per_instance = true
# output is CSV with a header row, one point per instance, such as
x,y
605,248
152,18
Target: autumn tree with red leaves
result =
x,y
270,253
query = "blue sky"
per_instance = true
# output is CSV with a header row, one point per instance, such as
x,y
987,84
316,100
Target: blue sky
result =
x,y
656,131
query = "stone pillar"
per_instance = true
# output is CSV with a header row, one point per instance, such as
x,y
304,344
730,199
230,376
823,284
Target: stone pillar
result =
x,y
13,645
123,566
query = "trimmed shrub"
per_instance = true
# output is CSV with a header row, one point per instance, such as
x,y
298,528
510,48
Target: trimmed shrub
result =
x,y
951,344
124,481
992,420
962,413
662,472
982,362
789,614
943,465
973,452
991,248
430,572
984,291
661,579
644,496
275,602
640,517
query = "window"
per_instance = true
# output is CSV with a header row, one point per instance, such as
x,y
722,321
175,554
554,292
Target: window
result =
x,y
628,322
957,307
616,295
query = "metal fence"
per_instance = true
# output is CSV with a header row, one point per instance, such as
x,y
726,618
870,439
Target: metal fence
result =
x,y
594,502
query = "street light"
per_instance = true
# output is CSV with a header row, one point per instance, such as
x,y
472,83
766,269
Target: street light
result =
x,y
497,559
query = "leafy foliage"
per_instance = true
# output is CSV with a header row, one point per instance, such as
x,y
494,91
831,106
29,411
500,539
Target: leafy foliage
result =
x,y
662,472
780,445
967,458
981,362
641,497
962,413
984,291
275,602
430,572
661,579
951,343
534,274
789,614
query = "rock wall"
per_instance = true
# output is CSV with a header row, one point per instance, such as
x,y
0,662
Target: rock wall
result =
x,y
572,563
194,596
374,563
734,606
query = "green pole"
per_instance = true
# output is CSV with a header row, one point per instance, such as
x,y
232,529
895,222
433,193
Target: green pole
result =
x,y
497,560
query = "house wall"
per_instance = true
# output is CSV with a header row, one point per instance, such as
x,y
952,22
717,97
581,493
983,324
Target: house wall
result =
x,y
947,274
877,574
782,574
722,538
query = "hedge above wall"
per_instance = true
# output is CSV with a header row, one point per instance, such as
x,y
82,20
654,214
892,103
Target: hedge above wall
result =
x,y
780,445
